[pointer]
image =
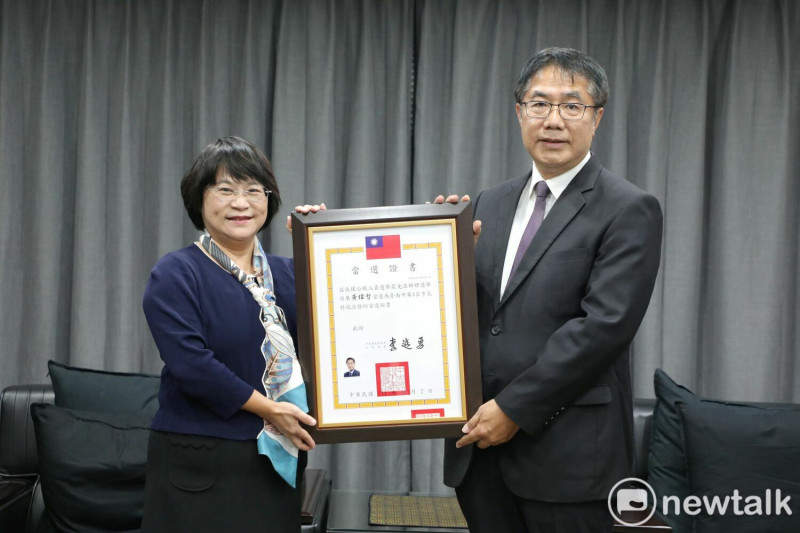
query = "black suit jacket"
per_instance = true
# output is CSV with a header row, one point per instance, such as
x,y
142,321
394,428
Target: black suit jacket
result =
x,y
555,347
352,373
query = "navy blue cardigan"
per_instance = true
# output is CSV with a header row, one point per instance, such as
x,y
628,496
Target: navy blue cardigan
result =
x,y
206,327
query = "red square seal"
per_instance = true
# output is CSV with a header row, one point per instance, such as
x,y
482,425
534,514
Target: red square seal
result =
x,y
392,378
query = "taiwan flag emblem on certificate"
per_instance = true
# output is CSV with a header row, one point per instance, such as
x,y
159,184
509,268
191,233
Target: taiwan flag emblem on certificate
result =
x,y
383,247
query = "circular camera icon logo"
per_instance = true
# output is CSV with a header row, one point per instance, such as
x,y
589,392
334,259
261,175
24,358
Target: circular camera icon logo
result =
x,y
629,500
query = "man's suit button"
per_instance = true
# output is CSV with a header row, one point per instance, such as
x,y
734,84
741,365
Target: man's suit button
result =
x,y
496,330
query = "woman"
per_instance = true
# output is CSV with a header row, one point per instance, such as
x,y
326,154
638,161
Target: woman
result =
x,y
222,313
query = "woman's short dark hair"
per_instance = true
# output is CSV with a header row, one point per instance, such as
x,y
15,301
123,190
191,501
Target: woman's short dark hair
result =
x,y
242,160
570,62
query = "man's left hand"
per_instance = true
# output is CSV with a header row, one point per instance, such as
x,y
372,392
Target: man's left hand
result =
x,y
453,199
489,427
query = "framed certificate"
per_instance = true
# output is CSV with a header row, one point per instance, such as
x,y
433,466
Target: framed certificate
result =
x,y
387,321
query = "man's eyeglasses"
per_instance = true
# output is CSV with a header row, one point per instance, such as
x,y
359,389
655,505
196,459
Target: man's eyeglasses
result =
x,y
254,195
541,109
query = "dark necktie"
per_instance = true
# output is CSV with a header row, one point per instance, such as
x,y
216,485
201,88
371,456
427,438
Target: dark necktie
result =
x,y
533,224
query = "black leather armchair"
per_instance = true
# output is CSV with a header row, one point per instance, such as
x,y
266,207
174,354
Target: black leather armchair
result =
x,y
21,502
18,457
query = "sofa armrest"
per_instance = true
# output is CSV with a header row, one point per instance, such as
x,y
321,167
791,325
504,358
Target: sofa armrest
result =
x,y
18,458
35,509
17,440
642,424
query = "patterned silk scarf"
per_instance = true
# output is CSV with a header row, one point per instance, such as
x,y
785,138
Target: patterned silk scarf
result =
x,y
282,379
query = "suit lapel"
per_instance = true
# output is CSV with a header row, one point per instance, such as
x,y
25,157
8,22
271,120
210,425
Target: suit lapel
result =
x,y
563,211
505,219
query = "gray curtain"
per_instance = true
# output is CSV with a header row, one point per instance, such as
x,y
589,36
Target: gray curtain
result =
x,y
104,104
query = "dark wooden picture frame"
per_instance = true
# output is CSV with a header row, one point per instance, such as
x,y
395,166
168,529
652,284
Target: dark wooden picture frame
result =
x,y
468,350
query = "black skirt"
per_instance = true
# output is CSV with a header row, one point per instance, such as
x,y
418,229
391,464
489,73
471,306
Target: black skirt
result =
x,y
196,483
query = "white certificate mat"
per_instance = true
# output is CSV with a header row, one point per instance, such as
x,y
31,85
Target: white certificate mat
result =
x,y
384,295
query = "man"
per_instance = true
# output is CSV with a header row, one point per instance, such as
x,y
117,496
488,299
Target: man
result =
x,y
555,432
351,368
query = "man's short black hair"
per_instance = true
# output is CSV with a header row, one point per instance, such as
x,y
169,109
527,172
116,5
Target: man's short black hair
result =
x,y
242,160
350,359
570,62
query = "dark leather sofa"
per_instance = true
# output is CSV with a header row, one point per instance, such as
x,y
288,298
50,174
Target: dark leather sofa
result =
x,y
21,502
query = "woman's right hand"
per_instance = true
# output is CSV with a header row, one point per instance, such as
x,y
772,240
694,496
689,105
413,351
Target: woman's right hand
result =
x,y
304,209
285,416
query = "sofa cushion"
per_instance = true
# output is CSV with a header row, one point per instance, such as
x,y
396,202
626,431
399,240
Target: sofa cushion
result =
x,y
666,463
752,450
92,468
104,391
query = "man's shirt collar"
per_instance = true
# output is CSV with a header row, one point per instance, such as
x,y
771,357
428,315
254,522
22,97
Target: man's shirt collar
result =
x,y
556,184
